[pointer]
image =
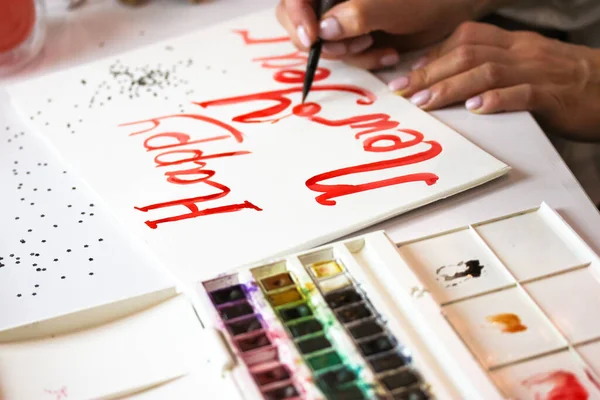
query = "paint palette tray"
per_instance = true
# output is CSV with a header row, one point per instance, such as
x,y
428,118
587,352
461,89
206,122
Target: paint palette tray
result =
x,y
502,308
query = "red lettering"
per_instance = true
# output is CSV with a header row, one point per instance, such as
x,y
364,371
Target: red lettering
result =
x,y
279,96
250,41
237,135
197,156
296,76
294,59
182,139
195,212
397,143
333,191
373,122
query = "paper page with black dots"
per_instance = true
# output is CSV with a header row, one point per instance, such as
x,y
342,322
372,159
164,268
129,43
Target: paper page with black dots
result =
x,y
60,249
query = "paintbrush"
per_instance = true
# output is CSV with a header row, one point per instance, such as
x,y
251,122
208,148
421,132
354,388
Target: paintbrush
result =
x,y
315,49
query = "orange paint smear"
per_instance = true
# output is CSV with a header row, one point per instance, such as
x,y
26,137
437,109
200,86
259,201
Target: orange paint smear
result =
x,y
510,323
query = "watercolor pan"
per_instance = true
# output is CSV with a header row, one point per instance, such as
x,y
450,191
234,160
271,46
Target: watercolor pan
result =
x,y
343,298
306,327
313,344
365,329
324,361
302,310
470,313
354,312
273,375
286,297
278,281
246,325
227,295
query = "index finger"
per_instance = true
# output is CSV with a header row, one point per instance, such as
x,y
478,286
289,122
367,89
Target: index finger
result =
x,y
301,14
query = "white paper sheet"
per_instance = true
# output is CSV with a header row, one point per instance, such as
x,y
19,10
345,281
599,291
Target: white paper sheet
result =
x,y
161,344
262,183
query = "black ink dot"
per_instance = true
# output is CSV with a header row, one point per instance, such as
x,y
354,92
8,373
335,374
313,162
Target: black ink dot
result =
x,y
12,255
34,293
16,217
22,240
38,269
56,259
91,214
32,254
68,250
22,198
29,230
37,285
83,213
19,295
43,269
43,215
83,82
73,188
17,262
64,172
44,241
49,190
63,277
91,273
100,240
37,254
35,265
86,246
91,259
80,221
92,205
35,189
31,204
69,206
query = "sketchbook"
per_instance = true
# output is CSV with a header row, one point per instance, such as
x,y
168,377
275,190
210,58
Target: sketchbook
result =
x,y
201,141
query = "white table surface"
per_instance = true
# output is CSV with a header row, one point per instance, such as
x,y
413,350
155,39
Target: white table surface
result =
x,y
104,27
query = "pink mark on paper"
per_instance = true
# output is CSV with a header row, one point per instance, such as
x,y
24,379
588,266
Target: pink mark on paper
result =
x,y
60,394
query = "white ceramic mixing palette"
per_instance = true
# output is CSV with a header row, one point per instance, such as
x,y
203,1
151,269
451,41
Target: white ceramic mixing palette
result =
x,y
490,344
572,301
443,255
533,379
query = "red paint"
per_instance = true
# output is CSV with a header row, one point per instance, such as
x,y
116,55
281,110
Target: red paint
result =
x,y
237,135
592,379
293,59
198,156
190,204
250,41
296,76
282,102
373,122
331,191
183,139
563,385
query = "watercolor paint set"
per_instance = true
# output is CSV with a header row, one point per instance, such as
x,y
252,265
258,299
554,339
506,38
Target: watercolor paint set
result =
x,y
505,308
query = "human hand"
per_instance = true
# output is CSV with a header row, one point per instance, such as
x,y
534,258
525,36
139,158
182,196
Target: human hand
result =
x,y
496,70
371,33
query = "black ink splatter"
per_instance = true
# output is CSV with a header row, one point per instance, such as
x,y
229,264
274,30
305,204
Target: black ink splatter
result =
x,y
470,269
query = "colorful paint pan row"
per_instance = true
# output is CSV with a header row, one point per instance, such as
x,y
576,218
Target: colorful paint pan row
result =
x,y
341,336
251,338
388,360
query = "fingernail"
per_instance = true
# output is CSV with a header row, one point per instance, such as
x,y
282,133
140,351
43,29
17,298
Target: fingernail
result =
x,y
334,48
330,29
399,83
303,36
361,43
474,103
390,59
420,63
420,98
